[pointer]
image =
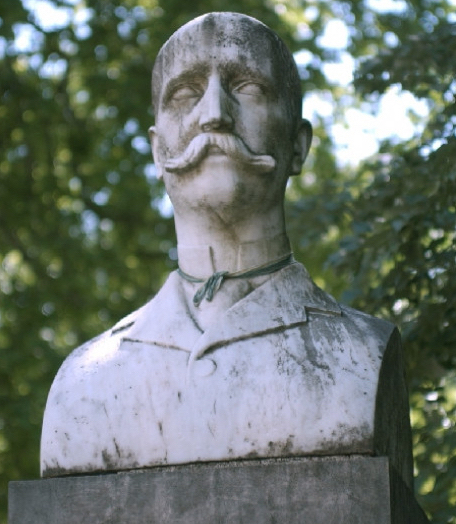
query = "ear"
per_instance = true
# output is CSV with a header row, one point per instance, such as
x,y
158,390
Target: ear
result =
x,y
154,147
301,146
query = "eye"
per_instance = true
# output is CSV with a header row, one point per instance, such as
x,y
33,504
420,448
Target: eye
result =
x,y
249,88
185,92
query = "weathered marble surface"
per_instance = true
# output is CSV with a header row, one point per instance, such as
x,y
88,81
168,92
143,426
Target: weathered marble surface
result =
x,y
272,366
286,371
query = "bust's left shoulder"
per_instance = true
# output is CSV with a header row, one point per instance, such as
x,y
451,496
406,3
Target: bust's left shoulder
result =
x,y
378,334
334,320
377,326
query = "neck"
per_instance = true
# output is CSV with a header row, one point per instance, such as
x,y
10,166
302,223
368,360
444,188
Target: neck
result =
x,y
208,244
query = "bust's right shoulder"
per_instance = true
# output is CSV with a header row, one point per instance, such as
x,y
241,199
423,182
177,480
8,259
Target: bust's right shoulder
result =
x,y
99,349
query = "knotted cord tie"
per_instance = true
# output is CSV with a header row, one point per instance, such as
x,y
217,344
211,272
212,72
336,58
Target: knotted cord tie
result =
x,y
212,284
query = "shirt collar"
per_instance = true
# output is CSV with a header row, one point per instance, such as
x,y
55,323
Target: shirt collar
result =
x,y
288,296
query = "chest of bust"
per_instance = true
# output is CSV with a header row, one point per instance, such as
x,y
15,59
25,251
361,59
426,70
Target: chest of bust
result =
x,y
305,390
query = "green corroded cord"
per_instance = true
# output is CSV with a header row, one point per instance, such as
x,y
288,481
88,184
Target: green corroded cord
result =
x,y
212,284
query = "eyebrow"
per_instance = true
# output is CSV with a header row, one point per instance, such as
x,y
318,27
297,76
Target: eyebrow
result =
x,y
230,69
234,69
184,77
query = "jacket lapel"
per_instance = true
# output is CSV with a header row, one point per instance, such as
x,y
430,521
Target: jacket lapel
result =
x,y
282,302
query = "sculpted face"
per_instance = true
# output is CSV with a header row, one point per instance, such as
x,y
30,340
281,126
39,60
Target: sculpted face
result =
x,y
226,132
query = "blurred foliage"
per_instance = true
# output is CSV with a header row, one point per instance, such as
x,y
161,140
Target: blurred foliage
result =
x,y
400,250
433,419
86,236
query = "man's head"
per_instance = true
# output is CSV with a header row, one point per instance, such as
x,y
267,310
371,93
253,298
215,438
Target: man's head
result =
x,y
243,31
226,85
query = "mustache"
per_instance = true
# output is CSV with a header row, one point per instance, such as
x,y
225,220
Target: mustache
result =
x,y
233,147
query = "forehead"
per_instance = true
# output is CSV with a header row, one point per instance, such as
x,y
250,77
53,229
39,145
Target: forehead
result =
x,y
227,44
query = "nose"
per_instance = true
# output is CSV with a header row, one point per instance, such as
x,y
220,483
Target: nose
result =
x,y
215,113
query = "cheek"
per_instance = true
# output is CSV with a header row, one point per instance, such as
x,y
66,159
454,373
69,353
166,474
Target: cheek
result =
x,y
162,147
265,128
251,124
169,138
280,130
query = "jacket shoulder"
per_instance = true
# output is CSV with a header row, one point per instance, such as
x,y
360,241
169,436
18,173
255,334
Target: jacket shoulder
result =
x,y
377,327
97,349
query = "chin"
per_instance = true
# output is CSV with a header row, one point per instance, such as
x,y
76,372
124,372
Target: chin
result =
x,y
220,184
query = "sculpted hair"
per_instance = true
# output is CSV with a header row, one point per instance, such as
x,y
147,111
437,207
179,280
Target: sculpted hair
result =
x,y
286,72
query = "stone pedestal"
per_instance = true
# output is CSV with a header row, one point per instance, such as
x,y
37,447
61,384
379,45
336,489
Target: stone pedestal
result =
x,y
326,490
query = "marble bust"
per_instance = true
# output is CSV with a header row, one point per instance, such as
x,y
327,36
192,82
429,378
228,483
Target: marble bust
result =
x,y
240,355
